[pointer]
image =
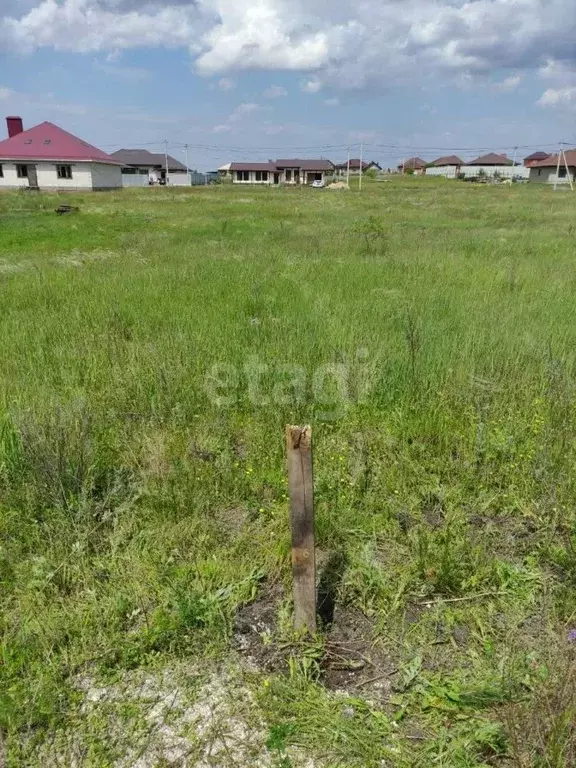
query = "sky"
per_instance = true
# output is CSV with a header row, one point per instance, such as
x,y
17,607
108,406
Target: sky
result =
x,y
260,79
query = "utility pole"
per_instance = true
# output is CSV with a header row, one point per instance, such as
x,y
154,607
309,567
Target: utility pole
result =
x,y
348,170
558,166
568,176
514,162
187,168
361,165
166,158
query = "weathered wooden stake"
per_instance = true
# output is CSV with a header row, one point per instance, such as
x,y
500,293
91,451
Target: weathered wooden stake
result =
x,y
301,485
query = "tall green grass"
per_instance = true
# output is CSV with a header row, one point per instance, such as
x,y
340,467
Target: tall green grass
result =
x,y
137,513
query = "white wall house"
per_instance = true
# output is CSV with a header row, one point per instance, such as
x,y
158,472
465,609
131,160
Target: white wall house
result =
x,y
292,172
491,171
448,166
47,157
141,168
447,171
493,165
546,171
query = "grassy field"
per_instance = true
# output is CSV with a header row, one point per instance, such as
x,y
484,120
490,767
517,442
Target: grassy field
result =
x,y
155,344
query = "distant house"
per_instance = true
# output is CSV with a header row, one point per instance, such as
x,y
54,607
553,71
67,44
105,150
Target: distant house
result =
x,y
48,157
295,171
283,171
341,169
414,165
254,173
224,170
546,171
492,165
534,158
447,166
141,168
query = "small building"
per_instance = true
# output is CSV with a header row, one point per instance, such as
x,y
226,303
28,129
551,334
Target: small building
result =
x,y
224,171
341,169
493,165
534,158
48,157
283,171
547,172
414,165
447,166
141,168
296,171
254,173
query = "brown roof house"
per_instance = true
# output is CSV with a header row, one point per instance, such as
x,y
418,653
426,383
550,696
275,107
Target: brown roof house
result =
x,y
447,166
284,171
141,168
547,171
341,169
534,158
492,165
413,165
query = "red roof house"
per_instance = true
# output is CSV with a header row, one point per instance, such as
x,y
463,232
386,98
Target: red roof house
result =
x,y
48,157
534,158
447,160
550,171
414,164
491,159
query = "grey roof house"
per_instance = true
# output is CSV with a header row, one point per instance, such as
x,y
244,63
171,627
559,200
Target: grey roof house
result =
x,y
143,168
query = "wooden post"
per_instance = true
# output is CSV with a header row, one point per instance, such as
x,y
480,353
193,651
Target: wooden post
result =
x,y
301,485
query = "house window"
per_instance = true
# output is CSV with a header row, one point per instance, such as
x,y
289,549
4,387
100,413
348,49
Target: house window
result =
x,y
64,171
243,175
288,175
22,171
562,174
261,175
1,172
539,171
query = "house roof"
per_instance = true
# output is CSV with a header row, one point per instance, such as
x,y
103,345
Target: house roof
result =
x,y
413,162
252,167
552,160
491,159
355,164
447,160
536,156
305,165
49,142
144,159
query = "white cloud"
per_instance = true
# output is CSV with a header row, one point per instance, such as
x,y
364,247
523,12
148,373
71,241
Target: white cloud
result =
x,y
561,76
335,42
557,97
508,84
5,93
272,130
275,92
237,116
226,84
130,74
312,86
244,109
333,102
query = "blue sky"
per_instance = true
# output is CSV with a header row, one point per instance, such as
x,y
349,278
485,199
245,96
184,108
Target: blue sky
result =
x,y
266,78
